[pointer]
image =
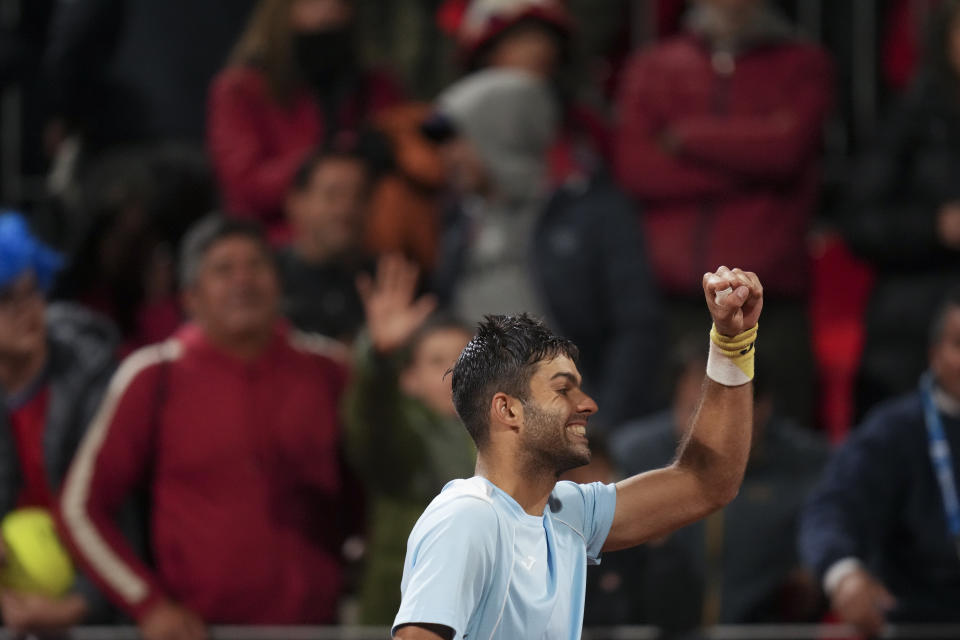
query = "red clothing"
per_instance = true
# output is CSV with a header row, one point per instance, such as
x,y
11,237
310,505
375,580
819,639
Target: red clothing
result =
x,y
583,141
901,44
241,460
257,144
28,424
744,183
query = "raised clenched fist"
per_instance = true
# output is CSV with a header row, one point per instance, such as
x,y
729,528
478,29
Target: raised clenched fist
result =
x,y
734,297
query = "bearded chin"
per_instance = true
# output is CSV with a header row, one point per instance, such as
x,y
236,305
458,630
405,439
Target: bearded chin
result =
x,y
546,448
539,462
571,460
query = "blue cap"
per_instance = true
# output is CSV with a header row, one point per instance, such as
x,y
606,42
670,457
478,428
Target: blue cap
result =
x,y
21,252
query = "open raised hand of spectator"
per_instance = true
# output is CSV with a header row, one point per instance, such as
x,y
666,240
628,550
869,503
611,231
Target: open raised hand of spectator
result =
x,y
392,309
863,601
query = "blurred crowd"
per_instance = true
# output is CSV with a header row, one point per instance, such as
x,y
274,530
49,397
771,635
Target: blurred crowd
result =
x,y
270,226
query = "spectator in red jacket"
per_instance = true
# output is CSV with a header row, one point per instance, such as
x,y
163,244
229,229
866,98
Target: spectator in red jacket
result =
x,y
719,140
231,429
293,82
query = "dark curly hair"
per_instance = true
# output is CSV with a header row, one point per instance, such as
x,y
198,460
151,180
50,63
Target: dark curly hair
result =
x,y
502,356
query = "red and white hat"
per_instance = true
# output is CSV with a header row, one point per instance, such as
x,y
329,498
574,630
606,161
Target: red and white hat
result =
x,y
476,23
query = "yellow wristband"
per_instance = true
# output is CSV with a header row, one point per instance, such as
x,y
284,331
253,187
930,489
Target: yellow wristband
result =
x,y
731,359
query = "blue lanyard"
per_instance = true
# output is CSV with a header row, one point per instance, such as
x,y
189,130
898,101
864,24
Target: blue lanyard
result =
x,y
941,459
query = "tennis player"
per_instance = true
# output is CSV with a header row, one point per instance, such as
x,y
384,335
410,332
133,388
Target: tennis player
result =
x,y
503,555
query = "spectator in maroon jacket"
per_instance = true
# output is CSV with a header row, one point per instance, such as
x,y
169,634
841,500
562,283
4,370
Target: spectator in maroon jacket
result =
x,y
719,141
293,82
231,428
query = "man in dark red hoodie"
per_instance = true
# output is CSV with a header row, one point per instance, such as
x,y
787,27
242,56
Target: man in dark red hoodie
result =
x,y
719,138
231,427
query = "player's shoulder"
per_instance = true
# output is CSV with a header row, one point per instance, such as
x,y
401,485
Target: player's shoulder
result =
x,y
470,497
463,506
576,505
566,490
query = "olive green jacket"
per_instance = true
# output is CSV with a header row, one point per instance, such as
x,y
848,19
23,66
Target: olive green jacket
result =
x,y
405,453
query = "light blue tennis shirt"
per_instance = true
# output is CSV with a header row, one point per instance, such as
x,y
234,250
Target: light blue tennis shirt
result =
x,y
479,564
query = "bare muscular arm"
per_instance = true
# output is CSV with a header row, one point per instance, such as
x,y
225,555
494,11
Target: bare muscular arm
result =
x,y
713,456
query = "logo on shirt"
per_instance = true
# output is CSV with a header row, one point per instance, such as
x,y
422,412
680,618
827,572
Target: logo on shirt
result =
x,y
527,563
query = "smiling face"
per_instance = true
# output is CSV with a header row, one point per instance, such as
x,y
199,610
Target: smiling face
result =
x,y
555,415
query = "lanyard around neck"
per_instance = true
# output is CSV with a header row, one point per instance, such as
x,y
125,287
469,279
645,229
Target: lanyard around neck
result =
x,y
941,459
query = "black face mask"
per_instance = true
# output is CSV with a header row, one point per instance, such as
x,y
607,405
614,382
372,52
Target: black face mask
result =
x,y
324,56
